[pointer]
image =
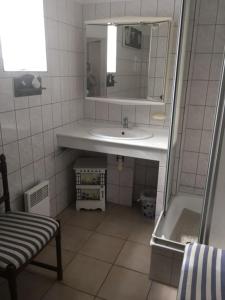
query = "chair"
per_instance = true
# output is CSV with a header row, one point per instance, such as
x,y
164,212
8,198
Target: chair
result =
x,y
202,274
22,237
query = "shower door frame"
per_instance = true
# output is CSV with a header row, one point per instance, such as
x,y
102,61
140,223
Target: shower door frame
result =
x,y
156,240
215,155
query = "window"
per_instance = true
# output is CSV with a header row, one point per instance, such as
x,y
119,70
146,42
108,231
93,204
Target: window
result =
x,y
22,35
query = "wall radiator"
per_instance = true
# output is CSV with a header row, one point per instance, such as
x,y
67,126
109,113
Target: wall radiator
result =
x,y
37,199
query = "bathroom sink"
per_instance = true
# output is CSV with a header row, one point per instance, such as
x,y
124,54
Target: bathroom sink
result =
x,y
121,133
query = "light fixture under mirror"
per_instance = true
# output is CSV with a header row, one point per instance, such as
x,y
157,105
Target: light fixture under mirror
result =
x,y
128,60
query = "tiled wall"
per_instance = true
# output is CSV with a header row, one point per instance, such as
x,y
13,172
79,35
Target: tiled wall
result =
x,y
28,124
201,97
27,135
141,115
145,177
120,183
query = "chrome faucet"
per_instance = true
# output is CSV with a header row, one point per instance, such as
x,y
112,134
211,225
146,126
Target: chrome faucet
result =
x,y
125,122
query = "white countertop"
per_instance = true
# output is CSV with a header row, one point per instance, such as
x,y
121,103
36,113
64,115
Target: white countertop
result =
x,y
80,130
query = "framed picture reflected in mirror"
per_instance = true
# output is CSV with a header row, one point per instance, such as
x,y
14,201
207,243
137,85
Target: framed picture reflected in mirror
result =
x,y
132,37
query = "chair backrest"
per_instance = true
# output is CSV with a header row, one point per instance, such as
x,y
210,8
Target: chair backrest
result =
x,y
3,171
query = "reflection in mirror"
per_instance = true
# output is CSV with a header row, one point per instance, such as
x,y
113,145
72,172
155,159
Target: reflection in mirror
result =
x,y
127,61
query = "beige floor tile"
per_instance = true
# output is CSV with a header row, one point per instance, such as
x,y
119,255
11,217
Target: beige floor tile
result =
x,y
66,214
48,256
86,274
142,232
73,238
103,247
86,219
30,286
120,228
123,284
135,256
62,292
161,292
129,214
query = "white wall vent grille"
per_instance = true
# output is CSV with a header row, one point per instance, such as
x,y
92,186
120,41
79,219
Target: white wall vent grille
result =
x,y
37,199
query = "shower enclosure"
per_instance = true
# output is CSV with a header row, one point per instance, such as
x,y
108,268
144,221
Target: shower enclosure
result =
x,y
191,209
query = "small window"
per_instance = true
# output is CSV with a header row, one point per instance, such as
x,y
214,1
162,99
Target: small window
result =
x,y
22,34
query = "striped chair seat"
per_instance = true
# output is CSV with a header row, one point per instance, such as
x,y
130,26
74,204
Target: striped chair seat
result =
x,y
202,274
22,236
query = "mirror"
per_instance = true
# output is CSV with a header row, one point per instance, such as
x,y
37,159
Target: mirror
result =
x,y
128,61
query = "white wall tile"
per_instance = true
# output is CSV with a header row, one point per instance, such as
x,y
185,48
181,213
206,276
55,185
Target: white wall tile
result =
x,y
126,177
192,140
8,127
198,92
15,183
221,12
36,120
190,160
23,123
208,12
133,8
38,146
149,7
57,114
205,38
6,95
115,112
48,142
89,109
34,100
27,174
102,10
216,67
113,193
11,152
165,8
209,118
206,141
39,170
203,161
117,8
25,149
112,175
47,117
202,66
200,181
187,179
51,9
101,111
65,112
50,165
21,102
195,117
213,93
219,42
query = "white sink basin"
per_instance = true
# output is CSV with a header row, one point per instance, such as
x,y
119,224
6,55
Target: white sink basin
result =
x,y
121,133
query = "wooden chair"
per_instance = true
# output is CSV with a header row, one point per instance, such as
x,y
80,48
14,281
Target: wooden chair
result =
x,y
22,237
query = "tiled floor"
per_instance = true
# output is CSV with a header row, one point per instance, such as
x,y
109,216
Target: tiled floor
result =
x,y
105,256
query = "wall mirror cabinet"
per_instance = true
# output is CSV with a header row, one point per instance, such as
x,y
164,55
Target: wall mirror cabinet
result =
x,y
127,59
